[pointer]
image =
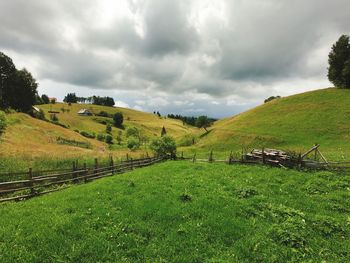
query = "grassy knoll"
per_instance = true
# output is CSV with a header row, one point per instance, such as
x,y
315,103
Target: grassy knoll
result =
x,y
184,212
294,123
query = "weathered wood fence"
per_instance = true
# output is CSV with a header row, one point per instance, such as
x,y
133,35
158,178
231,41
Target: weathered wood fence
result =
x,y
312,159
24,185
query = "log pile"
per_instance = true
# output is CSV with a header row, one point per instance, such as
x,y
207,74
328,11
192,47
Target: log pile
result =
x,y
270,156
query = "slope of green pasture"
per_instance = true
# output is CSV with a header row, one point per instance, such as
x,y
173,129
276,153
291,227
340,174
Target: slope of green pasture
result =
x,y
292,123
185,212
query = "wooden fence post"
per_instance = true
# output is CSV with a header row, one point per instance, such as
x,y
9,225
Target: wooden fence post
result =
x,y
210,159
194,158
74,174
31,182
182,155
111,164
230,158
96,165
86,173
263,156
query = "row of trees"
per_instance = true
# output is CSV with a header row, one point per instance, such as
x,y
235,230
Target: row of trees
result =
x,y
96,100
200,122
18,88
339,63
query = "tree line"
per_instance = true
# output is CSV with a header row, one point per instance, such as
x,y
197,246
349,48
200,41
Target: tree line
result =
x,y
96,100
200,122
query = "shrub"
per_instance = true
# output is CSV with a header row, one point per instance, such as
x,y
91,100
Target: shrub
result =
x,y
109,139
108,128
132,132
101,137
2,121
103,114
53,118
88,135
164,146
118,119
39,115
119,137
133,143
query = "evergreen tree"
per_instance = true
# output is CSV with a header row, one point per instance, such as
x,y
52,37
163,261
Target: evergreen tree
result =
x,y
163,133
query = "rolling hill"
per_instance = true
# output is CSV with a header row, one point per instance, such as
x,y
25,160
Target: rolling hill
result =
x,y
41,144
292,123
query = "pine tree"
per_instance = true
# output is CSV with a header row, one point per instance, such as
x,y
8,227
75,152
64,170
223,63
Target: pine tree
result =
x,y
163,133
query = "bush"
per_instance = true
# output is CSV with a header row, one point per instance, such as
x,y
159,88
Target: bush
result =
x,y
118,119
132,132
108,128
2,121
101,137
164,146
87,135
133,143
104,114
109,139
53,118
39,115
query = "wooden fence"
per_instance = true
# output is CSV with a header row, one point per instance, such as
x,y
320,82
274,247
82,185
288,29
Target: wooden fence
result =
x,y
281,159
24,185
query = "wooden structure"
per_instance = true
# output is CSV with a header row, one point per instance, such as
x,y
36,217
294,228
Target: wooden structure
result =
x,y
20,186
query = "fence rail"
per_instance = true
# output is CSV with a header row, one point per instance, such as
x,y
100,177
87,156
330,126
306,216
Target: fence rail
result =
x,y
43,182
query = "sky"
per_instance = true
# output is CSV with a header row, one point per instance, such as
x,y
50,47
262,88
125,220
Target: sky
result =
x,y
215,58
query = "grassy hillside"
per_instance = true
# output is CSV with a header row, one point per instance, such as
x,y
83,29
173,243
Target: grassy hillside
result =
x,y
184,212
295,123
150,125
40,144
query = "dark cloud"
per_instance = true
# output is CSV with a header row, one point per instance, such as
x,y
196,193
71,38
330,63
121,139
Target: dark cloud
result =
x,y
230,52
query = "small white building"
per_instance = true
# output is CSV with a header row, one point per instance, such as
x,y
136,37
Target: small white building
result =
x,y
84,112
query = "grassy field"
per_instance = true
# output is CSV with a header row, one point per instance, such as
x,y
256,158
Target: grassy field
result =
x,y
292,123
184,212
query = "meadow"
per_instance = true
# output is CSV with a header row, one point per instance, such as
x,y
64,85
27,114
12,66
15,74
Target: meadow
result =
x,y
180,211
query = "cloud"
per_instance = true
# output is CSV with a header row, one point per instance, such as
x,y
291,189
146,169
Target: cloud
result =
x,y
177,56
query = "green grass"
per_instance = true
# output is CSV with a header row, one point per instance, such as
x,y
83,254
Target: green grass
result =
x,y
184,212
291,123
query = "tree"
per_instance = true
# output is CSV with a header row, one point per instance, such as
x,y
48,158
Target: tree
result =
x,y
133,143
70,98
203,122
7,72
118,119
2,121
119,137
132,132
45,99
21,91
108,128
338,70
271,98
109,139
163,133
164,146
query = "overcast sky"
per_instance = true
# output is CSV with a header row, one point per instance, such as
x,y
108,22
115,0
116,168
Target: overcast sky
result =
x,y
190,57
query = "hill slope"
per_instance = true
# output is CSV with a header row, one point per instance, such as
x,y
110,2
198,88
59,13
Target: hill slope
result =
x,y
150,125
41,144
295,123
184,212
